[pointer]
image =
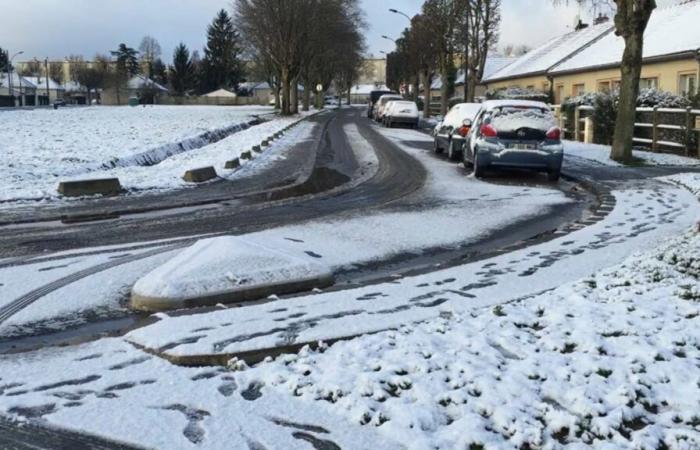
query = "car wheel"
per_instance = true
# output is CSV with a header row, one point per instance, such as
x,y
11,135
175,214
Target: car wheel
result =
x,y
554,175
436,147
478,168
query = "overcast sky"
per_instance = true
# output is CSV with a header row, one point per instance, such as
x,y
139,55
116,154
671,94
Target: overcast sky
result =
x,y
58,28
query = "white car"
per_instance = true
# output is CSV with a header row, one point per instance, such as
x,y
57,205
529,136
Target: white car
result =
x,y
401,112
451,133
381,104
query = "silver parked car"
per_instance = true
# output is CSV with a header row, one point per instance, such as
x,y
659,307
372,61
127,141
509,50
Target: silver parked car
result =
x,y
450,134
514,134
379,106
401,112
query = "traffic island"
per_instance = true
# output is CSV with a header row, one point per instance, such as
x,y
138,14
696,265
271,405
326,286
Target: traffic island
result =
x,y
81,188
200,175
226,270
233,164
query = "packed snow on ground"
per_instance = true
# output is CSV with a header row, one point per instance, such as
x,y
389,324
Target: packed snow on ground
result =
x,y
601,154
642,218
41,147
690,181
226,265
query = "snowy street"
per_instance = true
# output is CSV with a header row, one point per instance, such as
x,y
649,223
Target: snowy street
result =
x,y
505,312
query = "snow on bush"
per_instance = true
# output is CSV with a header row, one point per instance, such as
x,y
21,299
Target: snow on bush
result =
x,y
608,362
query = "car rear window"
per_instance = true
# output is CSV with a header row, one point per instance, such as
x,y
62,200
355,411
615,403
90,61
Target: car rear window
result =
x,y
508,119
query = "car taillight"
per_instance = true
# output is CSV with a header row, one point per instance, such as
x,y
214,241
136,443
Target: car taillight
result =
x,y
488,131
463,131
554,134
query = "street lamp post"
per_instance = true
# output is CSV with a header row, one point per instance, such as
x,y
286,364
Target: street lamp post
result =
x,y
10,88
389,39
396,11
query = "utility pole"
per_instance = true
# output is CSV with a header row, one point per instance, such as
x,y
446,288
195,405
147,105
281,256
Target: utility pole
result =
x,y
48,95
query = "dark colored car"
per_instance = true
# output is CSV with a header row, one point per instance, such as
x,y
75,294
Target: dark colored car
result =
x,y
515,134
373,97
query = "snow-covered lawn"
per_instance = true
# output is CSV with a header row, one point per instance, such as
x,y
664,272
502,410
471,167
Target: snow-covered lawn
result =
x,y
601,154
39,148
606,362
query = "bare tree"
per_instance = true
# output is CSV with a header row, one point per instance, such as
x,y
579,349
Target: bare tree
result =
x,y
631,20
442,17
150,51
56,72
481,22
423,54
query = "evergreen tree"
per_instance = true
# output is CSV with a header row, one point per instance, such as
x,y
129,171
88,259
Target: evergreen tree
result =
x,y
160,72
221,67
182,72
127,62
4,60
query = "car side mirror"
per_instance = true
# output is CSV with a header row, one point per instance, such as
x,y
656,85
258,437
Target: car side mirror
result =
x,y
467,123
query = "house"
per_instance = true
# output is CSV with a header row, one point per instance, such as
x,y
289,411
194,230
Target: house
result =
x,y
531,71
671,57
220,93
139,86
493,64
588,60
43,85
259,90
77,94
16,90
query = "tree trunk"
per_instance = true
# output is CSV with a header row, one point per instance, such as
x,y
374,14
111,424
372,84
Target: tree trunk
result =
x,y
278,101
629,91
286,94
307,97
294,98
444,93
426,94
416,87
470,88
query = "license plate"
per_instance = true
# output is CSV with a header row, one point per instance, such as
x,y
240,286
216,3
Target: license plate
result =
x,y
523,146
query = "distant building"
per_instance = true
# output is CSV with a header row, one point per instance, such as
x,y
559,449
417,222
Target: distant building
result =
x,y
139,86
17,91
493,64
373,72
55,91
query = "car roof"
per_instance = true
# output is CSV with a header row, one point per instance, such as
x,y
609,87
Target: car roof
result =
x,y
389,96
493,104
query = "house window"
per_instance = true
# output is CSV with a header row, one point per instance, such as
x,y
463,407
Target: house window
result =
x,y
578,89
616,85
649,83
687,84
603,86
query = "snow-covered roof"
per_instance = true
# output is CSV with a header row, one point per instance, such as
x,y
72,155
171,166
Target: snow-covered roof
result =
x,y
672,30
220,93
493,64
366,89
142,82
254,85
41,83
25,83
74,86
543,58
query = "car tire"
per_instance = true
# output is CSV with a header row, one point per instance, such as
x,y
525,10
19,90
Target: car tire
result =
x,y
554,175
479,171
452,154
436,147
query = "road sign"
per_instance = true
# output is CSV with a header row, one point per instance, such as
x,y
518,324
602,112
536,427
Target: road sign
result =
x,y
319,88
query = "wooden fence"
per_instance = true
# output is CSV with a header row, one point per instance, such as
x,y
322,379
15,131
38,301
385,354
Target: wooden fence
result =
x,y
670,130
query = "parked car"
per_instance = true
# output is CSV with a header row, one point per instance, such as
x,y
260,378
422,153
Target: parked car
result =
x,y
515,134
452,132
373,97
379,107
401,112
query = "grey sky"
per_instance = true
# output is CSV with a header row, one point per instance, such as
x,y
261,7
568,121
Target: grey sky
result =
x,y
58,28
